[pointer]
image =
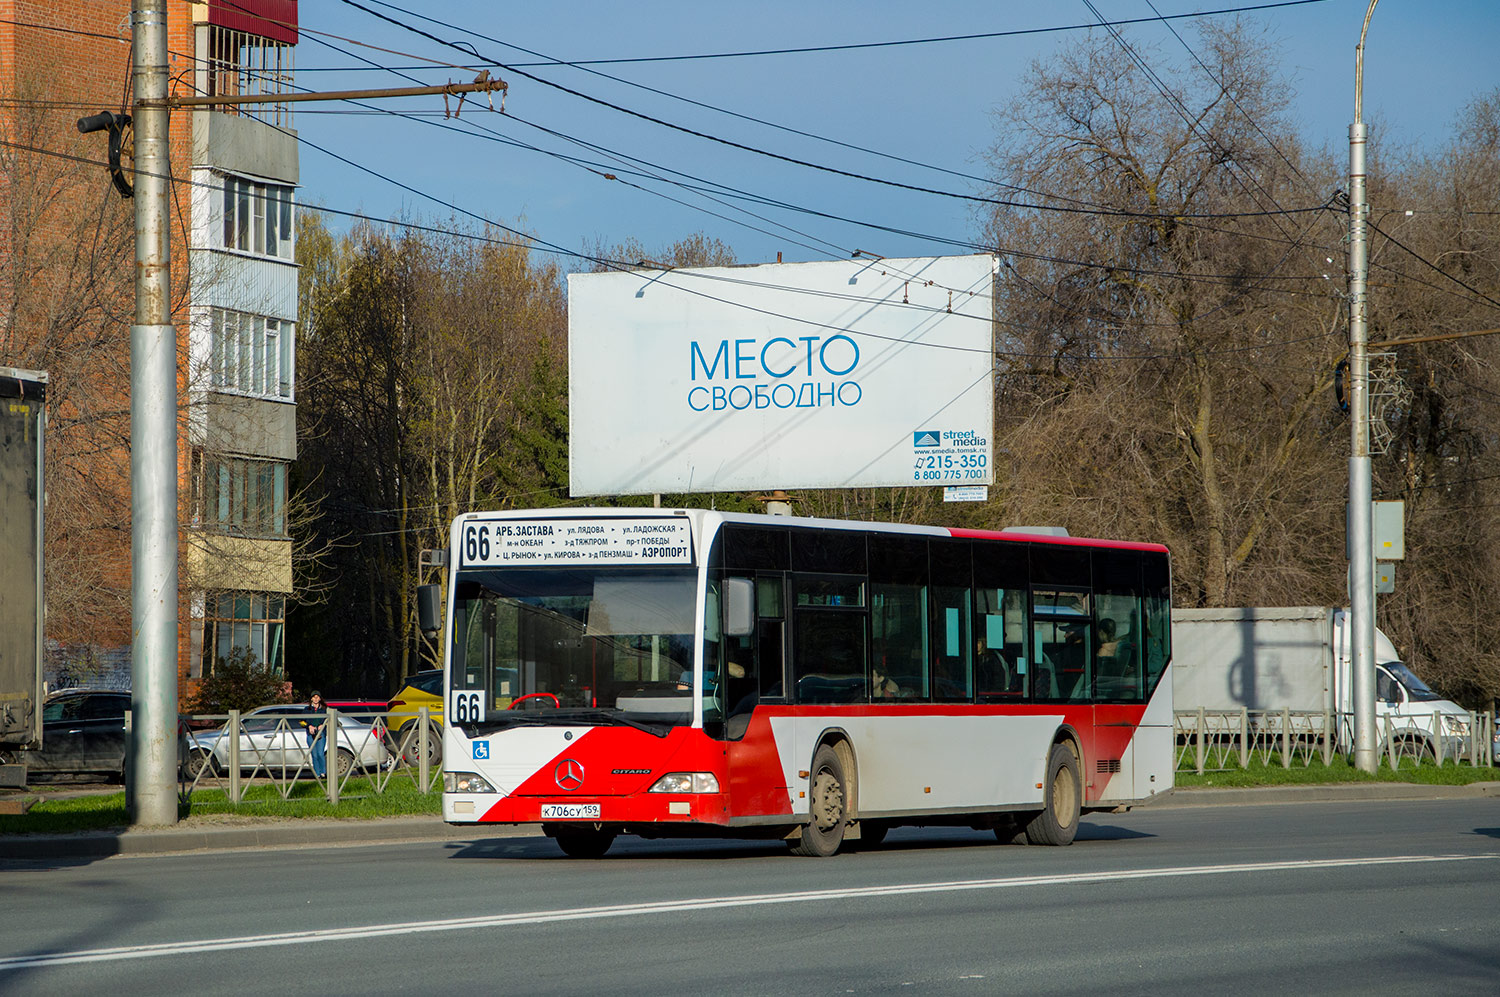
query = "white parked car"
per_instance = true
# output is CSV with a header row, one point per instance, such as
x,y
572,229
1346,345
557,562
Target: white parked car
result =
x,y
273,740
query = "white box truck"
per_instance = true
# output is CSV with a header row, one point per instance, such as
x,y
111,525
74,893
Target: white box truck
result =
x,y
1266,660
23,421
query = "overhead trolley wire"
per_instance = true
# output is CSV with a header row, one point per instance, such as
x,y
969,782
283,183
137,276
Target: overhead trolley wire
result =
x,y
735,114
895,43
957,243
1432,266
628,267
916,188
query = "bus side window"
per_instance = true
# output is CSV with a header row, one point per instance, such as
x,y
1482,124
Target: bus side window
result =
x,y
1157,582
1117,627
1000,629
770,635
952,637
1062,625
898,614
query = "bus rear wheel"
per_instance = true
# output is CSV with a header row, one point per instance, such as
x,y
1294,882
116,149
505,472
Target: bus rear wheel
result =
x,y
1062,802
828,805
582,842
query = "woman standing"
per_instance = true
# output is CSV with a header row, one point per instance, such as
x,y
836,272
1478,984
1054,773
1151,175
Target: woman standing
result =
x,y
315,736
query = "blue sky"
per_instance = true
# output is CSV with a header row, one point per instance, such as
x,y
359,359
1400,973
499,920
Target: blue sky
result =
x,y
931,103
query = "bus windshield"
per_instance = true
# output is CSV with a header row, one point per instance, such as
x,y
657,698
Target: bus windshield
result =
x,y
609,641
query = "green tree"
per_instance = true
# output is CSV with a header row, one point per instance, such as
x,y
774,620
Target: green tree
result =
x,y
239,682
430,385
1163,374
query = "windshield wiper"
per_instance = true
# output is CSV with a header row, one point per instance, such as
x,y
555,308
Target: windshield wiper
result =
x,y
507,718
659,728
552,718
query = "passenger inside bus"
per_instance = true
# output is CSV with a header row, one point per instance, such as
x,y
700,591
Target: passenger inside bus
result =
x,y
1108,645
995,674
882,687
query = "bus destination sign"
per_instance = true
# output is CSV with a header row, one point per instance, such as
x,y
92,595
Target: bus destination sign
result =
x,y
515,542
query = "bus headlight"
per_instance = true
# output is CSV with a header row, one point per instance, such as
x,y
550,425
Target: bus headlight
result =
x,y
686,782
466,782
1456,725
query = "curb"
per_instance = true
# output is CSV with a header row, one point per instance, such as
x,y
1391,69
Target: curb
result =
x,y
1351,792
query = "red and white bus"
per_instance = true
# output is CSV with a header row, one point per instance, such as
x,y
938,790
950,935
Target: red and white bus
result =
x,y
687,672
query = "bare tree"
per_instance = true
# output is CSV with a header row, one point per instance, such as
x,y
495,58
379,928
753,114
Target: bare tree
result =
x,y
1167,358
1435,270
65,307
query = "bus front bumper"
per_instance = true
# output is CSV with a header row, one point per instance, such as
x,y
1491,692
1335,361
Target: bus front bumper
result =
x,y
644,808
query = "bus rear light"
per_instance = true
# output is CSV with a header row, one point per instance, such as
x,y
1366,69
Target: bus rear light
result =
x,y
686,782
466,782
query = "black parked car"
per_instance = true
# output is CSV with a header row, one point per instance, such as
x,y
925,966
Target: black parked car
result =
x,y
83,733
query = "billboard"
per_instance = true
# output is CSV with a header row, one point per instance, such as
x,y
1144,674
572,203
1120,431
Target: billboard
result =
x,y
847,373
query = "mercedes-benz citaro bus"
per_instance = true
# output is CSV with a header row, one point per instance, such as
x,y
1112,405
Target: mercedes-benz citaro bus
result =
x,y
684,672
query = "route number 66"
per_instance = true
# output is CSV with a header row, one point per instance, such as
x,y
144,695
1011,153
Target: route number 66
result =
x,y
466,707
476,544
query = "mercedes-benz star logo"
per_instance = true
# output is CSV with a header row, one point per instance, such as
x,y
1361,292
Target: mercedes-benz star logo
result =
x,y
569,774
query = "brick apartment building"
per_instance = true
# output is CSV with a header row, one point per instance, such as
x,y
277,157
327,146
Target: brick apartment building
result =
x,y
66,271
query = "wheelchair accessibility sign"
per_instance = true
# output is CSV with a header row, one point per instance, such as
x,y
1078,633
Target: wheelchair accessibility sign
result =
x,y
481,750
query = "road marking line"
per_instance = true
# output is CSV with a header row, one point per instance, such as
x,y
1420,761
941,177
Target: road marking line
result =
x,y
698,904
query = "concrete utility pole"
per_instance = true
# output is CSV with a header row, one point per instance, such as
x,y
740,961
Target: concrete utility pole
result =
x,y
1361,539
153,440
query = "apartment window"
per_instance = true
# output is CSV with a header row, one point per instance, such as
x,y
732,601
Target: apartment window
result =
x,y
250,354
243,64
251,622
258,217
242,496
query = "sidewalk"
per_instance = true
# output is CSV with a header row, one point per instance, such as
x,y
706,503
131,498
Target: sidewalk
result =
x,y
211,834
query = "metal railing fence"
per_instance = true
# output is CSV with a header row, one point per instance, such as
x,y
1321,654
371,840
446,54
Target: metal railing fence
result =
x,y
1221,740
232,751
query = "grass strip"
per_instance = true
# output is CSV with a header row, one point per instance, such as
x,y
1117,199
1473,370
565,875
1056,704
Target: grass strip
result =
x,y
107,811
1339,770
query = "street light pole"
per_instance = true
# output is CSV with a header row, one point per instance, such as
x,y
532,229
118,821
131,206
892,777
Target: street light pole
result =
x,y
153,441
1361,539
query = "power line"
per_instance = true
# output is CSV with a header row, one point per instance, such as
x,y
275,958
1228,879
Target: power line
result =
x,y
939,239
1433,266
1180,108
915,188
1232,99
623,266
896,43
735,114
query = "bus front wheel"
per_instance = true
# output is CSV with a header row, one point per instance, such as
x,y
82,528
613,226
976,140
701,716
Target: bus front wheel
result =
x,y
1062,802
828,806
582,842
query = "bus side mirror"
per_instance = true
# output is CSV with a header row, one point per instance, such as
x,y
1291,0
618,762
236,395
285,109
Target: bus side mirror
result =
x,y
739,607
430,609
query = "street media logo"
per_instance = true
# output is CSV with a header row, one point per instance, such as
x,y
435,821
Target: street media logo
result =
x,y
926,438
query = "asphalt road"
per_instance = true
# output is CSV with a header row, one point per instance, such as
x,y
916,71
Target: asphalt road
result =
x,y
1379,896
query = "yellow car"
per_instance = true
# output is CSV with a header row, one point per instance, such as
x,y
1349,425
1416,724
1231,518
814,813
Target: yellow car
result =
x,y
421,689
